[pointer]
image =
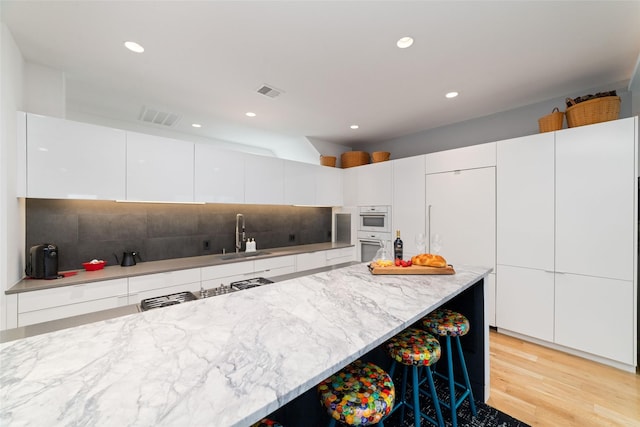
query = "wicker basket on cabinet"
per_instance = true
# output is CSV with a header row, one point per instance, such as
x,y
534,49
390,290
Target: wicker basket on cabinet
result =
x,y
593,111
380,156
350,159
552,121
328,161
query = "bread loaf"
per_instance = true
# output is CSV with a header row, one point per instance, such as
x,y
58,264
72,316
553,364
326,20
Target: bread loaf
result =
x,y
429,260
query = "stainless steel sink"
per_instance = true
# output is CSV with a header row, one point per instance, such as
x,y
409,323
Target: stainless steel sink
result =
x,y
243,255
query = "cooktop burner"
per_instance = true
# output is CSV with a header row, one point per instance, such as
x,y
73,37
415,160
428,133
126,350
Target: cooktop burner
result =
x,y
250,283
167,300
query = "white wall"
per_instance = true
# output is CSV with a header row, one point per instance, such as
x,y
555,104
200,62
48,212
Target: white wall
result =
x,y
12,223
44,91
505,125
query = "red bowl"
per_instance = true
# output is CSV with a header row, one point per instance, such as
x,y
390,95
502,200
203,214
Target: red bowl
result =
x,y
93,266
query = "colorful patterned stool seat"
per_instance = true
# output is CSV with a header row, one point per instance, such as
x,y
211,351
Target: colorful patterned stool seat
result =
x,y
266,422
415,348
452,325
446,322
360,394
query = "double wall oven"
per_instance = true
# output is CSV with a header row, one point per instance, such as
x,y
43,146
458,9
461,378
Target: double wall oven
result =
x,y
374,229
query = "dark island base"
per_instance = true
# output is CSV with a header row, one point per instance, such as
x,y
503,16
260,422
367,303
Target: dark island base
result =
x,y
306,411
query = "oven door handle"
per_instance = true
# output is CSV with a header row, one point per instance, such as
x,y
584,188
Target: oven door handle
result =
x,y
376,241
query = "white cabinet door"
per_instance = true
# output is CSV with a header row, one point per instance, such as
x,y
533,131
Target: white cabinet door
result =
x,y
595,182
595,315
72,160
159,169
329,188
525,201
375,184
264,180
311,260
475,156
272,267
350,186
159,284
299,183
408,209
58,303
219,175
525,301
461,216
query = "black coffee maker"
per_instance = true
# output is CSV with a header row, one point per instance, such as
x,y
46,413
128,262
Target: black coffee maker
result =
x,y
42,262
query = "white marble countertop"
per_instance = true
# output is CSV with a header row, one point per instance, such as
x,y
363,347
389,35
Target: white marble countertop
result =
x,y
228,360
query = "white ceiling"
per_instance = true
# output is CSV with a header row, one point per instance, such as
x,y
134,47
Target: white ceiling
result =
x,y
336,61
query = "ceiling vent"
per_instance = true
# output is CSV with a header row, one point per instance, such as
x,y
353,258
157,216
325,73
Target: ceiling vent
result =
x,y
269,91
163,118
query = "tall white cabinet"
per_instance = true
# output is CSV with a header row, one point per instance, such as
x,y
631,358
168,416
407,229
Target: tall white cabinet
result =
x,y
567,238
408,209
461,210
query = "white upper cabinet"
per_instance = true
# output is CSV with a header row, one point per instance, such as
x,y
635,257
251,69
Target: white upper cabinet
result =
x,y
72,160
264,180
595,186
375,184
299,183
159,169
219,175
525,201
408,209
329,186
350,186
475,156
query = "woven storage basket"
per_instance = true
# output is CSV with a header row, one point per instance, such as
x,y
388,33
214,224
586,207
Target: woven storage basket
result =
x,y
328,161
552,121
350,159
380,156
593,111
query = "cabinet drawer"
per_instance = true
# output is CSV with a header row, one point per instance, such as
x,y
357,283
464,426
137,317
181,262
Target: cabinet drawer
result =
x,y
48,298
225,270
273,263
475,156
60,312
340,253
163,280
310,261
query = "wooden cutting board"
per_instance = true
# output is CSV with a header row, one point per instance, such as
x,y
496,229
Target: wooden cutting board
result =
x,y
414,269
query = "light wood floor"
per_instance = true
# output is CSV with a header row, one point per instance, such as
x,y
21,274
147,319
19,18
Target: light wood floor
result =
x,y
544,387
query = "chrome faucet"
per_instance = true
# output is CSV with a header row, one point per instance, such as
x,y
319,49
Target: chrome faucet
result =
x,y
239,241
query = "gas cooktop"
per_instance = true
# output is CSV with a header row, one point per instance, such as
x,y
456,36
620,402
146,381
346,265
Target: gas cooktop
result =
x,y
250,283
167,300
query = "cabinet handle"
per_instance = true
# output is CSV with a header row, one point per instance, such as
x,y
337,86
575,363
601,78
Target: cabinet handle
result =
x,y
429,227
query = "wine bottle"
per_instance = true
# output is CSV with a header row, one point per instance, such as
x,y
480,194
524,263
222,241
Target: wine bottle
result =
x,y
397,246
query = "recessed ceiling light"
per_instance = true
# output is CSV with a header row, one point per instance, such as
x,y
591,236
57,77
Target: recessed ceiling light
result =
x,y
134,47
196,125
354,126
250,114
404,42
452,94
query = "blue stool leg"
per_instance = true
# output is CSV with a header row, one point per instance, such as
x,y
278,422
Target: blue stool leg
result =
x,y
452,390
434,397
466,376
416,396
332,423
404,392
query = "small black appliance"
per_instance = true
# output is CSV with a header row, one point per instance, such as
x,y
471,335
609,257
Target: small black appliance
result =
x,y
42,262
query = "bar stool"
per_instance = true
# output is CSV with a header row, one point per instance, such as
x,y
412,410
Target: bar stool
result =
x,y
415,348
266,422
451,324
360,394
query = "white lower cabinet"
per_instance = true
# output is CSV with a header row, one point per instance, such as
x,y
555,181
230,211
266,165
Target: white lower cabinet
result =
x,y
338,256
272,267
525,301
595,315
310,260
57,303
159,284
216,275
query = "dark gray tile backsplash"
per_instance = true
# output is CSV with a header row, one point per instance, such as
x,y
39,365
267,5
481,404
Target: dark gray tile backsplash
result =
x,y
84,230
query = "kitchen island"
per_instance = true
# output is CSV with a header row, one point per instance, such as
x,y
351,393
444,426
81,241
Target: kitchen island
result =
x,y
228,360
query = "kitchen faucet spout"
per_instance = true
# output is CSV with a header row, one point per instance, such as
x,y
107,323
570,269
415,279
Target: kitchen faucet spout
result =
x,y
239,239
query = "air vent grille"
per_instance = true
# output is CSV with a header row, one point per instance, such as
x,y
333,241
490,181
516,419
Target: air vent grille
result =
x,y
155,116
269,91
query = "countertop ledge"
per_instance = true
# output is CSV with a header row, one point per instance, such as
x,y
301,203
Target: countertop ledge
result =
x,y
163,266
